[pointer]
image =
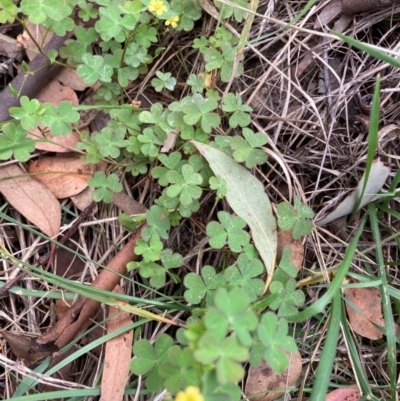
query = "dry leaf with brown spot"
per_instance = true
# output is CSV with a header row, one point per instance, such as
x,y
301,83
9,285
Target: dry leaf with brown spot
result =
x,y
31,198
267,385
55,93
64,176
118,355
343,394
368,301
127,204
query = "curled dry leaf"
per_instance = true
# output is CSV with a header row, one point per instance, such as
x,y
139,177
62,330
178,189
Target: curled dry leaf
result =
x,y
55,93
118,355
31,198
376,180
20,345
64,176
265,383
343,394
368,301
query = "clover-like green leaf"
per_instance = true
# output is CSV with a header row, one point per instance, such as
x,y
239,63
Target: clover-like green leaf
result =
x,y
230,230
273,335
200,111
8,11
204,286
157,223
197,83
296,219
59,118
188,11
150,250
94,69
245,149
218,184
39,10
14,140
231,309
244,276
110,141
163,81
226,354
288,298
233,104
173,161
149,358
104,185
112,25
185,185
227,10
29,113
75,49
180,371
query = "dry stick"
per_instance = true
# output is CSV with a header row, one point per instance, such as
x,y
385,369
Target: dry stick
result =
x,y
79,315
40,72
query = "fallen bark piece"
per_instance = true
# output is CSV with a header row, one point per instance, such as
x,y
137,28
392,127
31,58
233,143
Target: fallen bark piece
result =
x,y
118,355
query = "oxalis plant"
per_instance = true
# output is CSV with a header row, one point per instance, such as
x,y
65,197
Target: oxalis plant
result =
x,y
232,322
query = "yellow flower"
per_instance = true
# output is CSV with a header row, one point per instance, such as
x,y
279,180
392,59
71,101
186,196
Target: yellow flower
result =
x,y
157,6
173,21
191,393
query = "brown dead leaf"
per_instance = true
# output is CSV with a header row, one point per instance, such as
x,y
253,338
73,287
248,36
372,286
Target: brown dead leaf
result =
x,y
356,6
84,199
343,394
55,93
368,301
66,263
264,382
20,345
117,356
64,176
297,249
31,198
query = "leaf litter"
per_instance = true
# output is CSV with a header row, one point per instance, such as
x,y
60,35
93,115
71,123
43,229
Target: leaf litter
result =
x,y
287,112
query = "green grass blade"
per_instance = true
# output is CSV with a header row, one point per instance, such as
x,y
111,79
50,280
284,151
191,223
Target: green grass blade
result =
x,y
353,352
323,376
386,305
372,142
336,283
374,52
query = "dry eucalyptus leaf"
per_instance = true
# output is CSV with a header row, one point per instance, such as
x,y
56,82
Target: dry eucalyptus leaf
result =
x,y
330,11
343,394
265,383
64,176
118,355
84,199
376,180
357,6
31,198
368,301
